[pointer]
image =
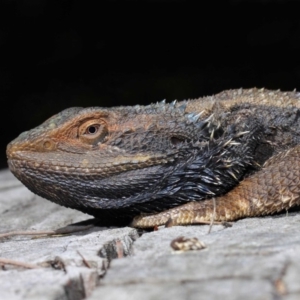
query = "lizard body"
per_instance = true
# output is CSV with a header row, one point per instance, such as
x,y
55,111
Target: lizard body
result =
x,y
168,160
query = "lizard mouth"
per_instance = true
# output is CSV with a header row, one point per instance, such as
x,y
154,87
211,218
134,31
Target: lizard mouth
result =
x,y
74,164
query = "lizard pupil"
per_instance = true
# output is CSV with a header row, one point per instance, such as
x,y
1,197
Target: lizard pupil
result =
x,y
92,129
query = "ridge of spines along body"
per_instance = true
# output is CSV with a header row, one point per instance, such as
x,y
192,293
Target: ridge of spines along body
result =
x,y
178,110
175,107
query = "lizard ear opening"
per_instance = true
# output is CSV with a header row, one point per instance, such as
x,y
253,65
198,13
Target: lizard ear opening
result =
x,y
93,132
177,141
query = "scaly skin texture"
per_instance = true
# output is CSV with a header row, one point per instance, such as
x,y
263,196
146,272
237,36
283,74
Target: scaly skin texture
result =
x,y
165,161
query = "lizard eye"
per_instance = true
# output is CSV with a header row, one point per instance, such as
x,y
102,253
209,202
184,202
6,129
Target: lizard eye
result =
x,y
92,129
93,132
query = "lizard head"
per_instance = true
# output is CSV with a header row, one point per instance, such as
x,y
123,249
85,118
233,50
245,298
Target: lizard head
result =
x,y
106,141
98,158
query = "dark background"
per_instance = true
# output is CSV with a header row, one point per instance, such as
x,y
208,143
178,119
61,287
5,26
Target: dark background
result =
x,y
57,54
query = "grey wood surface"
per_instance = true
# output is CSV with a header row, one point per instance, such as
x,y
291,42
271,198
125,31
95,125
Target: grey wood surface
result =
x,y
256,258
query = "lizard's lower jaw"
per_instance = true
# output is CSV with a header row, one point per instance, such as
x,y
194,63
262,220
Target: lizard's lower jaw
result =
x,y
11,165
16,159
18,168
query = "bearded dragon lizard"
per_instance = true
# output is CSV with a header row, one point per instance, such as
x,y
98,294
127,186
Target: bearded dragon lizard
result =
x,y
165,161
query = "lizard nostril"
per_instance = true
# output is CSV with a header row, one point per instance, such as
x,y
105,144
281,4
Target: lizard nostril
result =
x,y
48,145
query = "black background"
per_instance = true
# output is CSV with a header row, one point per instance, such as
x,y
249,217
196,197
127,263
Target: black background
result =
x,y
58,54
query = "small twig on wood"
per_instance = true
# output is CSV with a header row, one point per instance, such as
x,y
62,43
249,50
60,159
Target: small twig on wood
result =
x,y
213,216
63,230
119,249
85,262
7,261
208,223
13,233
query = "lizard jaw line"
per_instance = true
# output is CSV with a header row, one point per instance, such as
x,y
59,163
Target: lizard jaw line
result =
x,y
18,164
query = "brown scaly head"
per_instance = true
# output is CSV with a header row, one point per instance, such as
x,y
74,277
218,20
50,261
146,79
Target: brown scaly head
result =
x,y
115,163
